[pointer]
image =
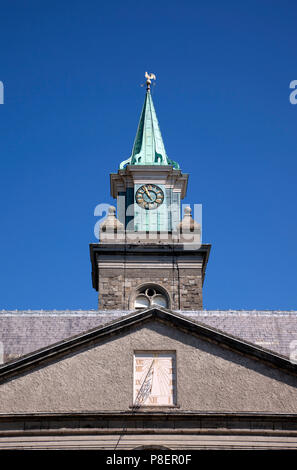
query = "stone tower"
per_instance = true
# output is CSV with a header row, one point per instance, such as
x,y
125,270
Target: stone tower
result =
x,y
146,255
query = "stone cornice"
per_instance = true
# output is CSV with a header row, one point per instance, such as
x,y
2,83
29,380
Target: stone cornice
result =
x,y
147,249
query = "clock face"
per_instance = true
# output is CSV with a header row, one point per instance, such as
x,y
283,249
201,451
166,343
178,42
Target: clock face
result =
x,y
154,379
149,196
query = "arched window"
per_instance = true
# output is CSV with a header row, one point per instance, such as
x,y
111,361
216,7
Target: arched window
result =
x,y
150,296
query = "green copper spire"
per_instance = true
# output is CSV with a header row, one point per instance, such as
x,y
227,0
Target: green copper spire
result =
x,y
148,148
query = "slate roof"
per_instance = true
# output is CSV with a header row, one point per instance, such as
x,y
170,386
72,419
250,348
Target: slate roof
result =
x,y
23,332
136,318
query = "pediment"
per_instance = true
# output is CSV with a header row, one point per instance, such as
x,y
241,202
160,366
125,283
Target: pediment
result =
x,y
136,319
94,371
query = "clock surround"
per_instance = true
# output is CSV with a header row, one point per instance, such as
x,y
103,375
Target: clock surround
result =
x,y
149,196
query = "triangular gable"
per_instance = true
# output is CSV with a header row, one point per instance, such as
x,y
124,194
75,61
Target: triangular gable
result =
x,y
52,352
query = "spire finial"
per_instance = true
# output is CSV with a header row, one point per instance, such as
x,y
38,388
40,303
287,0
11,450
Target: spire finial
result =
x,y
148,147
149,77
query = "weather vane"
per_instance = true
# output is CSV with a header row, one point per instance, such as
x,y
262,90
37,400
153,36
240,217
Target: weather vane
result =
x,y
149,77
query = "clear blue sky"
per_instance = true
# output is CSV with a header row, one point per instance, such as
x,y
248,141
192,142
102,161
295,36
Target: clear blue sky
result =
x,y
72,73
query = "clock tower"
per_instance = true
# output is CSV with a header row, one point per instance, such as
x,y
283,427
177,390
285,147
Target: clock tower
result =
x,y
148,256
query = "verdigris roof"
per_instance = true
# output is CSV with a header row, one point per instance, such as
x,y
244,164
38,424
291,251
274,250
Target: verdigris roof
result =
x,y
23,332
148,148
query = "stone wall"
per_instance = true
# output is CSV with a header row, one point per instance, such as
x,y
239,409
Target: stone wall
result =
x,y
190,288
119,269
117,286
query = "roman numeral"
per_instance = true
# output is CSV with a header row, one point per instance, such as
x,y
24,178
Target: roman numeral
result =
x,y
153,399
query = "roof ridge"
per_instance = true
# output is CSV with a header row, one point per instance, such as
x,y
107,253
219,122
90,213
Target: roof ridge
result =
x,y
161,314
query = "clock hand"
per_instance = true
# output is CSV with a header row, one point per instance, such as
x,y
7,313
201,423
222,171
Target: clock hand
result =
x,y
148,194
